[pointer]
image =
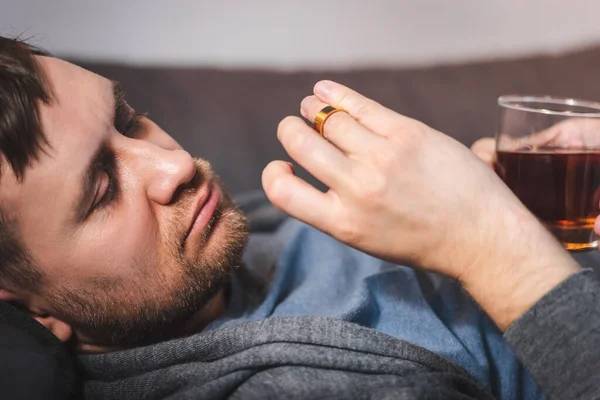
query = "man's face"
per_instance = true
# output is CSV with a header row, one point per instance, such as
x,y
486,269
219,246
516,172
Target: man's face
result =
x,y
132,234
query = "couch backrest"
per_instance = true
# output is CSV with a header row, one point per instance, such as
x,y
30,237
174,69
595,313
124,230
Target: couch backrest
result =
x,y
231,117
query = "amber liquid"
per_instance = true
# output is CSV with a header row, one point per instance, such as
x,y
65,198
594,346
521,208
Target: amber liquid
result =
x,y
561,187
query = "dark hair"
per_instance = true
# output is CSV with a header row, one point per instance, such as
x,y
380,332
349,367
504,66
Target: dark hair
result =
x,y
22,88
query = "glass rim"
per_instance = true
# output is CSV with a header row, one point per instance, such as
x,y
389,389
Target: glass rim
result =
x,y
507,99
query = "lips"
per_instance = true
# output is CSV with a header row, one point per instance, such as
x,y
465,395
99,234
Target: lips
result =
x,y
204,208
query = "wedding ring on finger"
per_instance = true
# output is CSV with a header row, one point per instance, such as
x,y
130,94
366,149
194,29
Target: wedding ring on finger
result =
x,y
322,116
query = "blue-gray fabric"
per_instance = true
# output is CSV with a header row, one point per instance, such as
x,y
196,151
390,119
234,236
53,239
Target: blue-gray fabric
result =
x,y
315,275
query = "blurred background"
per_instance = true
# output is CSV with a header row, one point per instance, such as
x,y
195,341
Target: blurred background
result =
x,y
293,35
219,75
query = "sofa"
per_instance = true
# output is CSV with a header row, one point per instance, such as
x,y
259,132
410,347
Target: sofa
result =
x,y
230,118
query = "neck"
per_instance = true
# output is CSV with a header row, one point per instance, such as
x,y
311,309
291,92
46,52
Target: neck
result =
x,y
211,311
196,323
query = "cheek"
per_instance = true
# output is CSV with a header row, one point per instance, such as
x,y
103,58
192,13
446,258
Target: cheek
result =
x,y
127,243
114,248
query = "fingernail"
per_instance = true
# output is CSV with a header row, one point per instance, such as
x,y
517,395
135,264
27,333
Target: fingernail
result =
x,y
323,89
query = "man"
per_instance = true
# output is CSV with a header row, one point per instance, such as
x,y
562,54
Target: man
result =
x,y
114,238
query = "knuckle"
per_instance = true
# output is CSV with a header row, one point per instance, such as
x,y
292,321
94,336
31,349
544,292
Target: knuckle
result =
x,y
334,124
374,189
419,131
297,143
386,158
350,232
278,192
364,109
370,187
410,136
290,134
342,97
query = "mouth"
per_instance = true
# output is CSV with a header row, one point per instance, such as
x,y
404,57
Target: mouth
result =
x,y
204,208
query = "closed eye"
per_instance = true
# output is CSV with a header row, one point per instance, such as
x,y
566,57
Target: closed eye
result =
x,y
126,121
107,183
105,193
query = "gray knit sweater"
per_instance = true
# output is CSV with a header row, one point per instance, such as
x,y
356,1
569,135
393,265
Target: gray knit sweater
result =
x,y
558,340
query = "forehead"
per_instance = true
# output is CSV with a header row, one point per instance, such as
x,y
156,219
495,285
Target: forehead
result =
x,y
64,76
81,99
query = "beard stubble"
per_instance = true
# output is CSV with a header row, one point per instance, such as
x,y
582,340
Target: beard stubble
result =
x,y
152,307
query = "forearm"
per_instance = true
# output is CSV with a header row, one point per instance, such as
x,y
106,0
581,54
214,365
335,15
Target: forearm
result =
x,y
521,266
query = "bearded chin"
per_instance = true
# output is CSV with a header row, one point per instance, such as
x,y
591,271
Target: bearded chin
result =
x,y
136,312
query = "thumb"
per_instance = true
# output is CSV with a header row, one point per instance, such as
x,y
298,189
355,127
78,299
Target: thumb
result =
x,y
485,149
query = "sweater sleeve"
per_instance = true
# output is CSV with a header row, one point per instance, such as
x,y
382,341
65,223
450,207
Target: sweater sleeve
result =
x,y
558,339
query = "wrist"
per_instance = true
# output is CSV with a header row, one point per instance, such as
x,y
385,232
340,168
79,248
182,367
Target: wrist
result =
x,y
517,268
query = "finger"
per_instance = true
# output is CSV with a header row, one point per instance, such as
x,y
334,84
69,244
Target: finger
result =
x,y
570,133
370,114
530,142
574,132
485,149
341,129
296,197
320,158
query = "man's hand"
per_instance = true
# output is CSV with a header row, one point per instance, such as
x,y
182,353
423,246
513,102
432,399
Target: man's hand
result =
x,y
397,188
402,191
485,149
571,133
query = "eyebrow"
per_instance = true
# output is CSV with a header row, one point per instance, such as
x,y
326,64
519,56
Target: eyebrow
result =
x,y
118,96
96,163
89,183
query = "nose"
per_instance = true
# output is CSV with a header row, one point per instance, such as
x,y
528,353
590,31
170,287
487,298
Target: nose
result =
x,y
161,170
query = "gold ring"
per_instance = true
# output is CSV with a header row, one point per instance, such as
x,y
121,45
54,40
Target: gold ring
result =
x,y
322,116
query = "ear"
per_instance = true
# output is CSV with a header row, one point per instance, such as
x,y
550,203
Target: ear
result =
x,y
5,295
59,328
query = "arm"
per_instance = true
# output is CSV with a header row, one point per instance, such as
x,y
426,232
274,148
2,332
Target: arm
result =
x,y
558,339
402,191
